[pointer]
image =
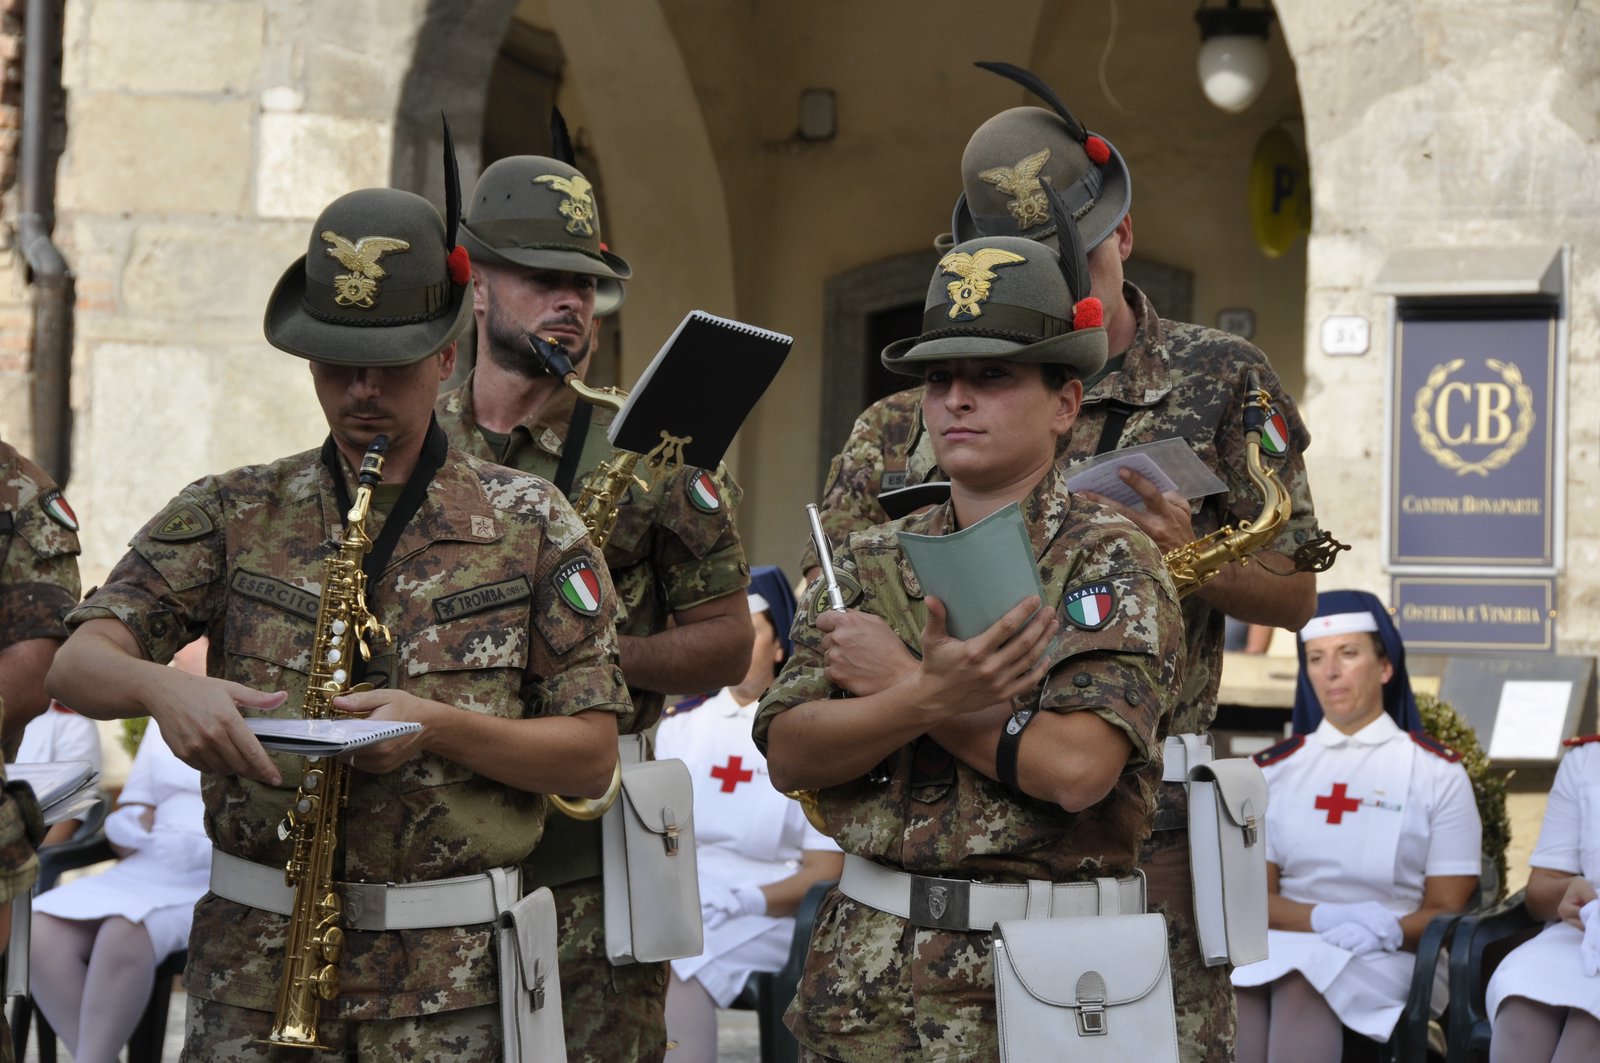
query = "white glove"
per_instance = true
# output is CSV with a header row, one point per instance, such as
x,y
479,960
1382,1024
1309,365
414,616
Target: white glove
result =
x,y
1352,937
718,903
181,850
1589,950
1384,924
125,827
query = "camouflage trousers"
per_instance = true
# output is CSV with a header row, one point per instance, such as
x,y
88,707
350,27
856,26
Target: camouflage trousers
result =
x,y
222,1033
1202,996
610,1014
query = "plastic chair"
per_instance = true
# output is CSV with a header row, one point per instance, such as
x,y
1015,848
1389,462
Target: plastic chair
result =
x,y
150,1035
768,993
1480,942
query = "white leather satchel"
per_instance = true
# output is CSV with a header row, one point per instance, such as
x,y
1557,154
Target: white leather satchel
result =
x,y
1087,988
530,985
1228,853
652,889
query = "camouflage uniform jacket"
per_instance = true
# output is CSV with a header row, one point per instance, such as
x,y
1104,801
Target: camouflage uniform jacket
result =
x,y
1175,379
673,547
38,553
876,988
472,595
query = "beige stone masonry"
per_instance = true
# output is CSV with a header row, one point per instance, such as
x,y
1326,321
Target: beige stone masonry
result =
x,y
188,47
133,154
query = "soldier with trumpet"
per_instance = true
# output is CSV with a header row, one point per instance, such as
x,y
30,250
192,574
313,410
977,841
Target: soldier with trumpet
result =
x,y
540,266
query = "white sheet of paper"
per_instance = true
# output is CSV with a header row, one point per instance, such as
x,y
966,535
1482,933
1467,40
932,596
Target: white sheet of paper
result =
x,y
1530,720
1103,479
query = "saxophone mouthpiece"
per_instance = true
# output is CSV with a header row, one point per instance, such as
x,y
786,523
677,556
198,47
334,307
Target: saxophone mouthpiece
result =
x,y
551,356
372,462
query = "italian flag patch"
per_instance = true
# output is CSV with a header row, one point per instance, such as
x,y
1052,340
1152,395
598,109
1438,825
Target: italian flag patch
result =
x,y
1275,435
703,493
1090,607
579,586
56,508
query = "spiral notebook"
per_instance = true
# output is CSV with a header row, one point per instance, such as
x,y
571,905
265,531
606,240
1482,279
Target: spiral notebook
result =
x,y
326,738
700,386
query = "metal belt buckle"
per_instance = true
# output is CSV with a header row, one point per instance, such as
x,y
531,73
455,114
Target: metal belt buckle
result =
x,y
365,905
940,903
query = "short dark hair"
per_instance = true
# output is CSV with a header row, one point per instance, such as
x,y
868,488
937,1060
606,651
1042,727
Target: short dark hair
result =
x,y
1055,376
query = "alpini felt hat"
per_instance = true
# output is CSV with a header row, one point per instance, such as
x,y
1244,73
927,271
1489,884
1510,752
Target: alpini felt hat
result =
x,y
1012,155
537,212
378,285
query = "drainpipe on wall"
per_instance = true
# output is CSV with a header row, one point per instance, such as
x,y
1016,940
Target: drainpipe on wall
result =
x,y
52,279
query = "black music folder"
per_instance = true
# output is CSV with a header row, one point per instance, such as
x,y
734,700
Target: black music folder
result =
x,y
701,385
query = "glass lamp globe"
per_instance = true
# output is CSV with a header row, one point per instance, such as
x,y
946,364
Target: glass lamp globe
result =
x,y
1233,70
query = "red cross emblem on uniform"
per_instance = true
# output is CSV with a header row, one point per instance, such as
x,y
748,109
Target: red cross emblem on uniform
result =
x,y
1336,804
733,774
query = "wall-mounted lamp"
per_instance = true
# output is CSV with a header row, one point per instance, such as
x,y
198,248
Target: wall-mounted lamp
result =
x,y
819,116
1233,63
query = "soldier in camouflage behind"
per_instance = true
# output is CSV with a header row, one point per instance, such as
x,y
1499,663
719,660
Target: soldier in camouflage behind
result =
x,y
921,777
514,679
1163,379
38,584
540,266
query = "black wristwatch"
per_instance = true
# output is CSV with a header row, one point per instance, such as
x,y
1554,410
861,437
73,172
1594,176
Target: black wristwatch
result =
x,y
1005,754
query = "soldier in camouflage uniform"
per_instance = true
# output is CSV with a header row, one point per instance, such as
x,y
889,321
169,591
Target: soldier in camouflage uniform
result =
x,y
21,830
1164,379
539,265
501,615
919,776
38,584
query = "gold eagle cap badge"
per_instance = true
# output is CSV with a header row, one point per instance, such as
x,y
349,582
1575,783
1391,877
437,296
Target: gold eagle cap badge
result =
x,y
359,287
1028,205
578,207
976,271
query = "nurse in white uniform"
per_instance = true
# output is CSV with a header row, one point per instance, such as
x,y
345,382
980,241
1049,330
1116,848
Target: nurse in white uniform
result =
x,y
55,735
1544,998
1372,831
757,854
97,940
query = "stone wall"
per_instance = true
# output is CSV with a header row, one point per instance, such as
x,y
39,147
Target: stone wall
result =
x,y
16,314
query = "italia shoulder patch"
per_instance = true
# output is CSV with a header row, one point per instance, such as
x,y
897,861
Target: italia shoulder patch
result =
x,y
1090,607
1580,740
579,586
702,491
1273,754
182,522
685,706
1434,746
1275,434
55,507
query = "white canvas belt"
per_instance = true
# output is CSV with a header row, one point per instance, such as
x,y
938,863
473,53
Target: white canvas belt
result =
x,y
371,905
1176,759
956,904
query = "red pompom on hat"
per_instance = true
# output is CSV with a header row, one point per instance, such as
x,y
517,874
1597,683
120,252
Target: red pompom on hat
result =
x,y
460,265
1098,150
1088,313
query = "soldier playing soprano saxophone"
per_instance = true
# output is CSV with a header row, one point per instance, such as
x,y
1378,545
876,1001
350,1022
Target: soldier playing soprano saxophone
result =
x,y
501,616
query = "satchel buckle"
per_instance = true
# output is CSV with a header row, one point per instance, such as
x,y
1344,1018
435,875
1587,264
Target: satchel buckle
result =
x,y
670,841
940,903
537,990
1091,1005
1251,832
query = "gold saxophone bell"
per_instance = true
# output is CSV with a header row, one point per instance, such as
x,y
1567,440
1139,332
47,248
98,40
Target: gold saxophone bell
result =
x,y
1193,564
590,808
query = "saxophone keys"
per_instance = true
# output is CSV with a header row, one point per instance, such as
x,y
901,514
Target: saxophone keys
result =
x,y
325,983
331,944
339,627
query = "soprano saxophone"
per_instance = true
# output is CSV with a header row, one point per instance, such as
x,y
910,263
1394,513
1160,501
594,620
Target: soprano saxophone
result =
x,y
316,938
